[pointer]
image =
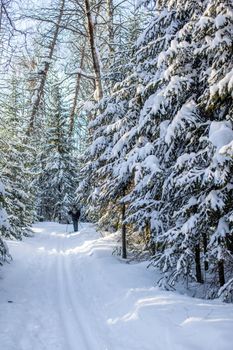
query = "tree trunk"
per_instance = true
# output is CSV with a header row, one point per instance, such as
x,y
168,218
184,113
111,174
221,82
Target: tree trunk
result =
x,y
149,240
1,11
110,11
123,233
153,248
198,264
94,53
205,243
44,73
221,273
77,89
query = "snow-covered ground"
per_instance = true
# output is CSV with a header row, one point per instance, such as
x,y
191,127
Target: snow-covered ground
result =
x,y
68,292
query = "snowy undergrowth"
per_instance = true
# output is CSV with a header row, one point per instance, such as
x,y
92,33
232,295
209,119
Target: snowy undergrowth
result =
x,y
68,292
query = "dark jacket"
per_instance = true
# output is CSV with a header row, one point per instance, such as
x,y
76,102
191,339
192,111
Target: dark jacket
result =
x,y
75,214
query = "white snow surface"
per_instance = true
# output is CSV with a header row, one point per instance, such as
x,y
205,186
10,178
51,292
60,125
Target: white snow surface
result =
x,y
220,133
68,292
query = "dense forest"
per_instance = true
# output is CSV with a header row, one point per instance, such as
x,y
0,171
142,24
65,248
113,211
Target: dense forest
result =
x,y
125,109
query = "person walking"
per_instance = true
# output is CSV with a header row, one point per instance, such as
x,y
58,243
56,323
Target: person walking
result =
x,y
75,214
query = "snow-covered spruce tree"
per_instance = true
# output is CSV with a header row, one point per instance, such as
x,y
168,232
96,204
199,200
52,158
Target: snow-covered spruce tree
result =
x,y
57,180
142,164
215,53
193,171
164,92
106,174
179,237
117,172
144,200
155,51
100,195
16,164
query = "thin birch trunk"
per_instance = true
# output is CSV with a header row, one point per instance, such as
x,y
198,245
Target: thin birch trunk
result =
x,y
76,94
94,52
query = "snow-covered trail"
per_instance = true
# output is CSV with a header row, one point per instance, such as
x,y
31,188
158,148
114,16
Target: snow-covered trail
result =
x,y
42,303
68,292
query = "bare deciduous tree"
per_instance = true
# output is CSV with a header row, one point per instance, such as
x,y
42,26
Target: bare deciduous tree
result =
x,y
43,73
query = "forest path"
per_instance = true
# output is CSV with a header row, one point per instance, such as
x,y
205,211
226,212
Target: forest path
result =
x,y
65,291
46,306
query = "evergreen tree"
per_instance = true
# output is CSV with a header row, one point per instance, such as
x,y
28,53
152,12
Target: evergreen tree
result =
x,y
57,177
106,174
16,164
145,198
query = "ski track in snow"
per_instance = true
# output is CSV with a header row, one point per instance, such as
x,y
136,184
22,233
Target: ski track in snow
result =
x,y
69,293
70,321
